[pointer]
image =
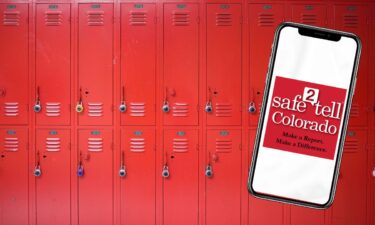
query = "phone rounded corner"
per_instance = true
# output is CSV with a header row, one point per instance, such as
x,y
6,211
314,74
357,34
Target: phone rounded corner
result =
x,y
281,26
250,187
327,204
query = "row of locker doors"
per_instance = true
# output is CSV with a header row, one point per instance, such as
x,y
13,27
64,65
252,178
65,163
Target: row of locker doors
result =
x,y
180,98
138,174
138,171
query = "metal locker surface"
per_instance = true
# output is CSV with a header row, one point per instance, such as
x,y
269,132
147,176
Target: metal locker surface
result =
x,y
181,66
95,179
353,18
53,186
14,30
224,64
138,183
263,212
263,21
52,89
138,64
223,187
95,62
14,173
180,188
349,206
310,14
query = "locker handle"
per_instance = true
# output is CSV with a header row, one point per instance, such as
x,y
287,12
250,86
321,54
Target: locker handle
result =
x,y
165,172
37,170
209,172
80,169
122,107
252,109
208,108
122,171
165,106
79,106
373,172
37,105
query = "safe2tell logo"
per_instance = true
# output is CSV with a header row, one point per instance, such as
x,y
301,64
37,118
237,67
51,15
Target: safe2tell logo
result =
x,y
304,117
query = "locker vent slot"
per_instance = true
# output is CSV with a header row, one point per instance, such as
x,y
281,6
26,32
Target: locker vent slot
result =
x,y
180,145
181,18
52,109
53,18
351,21
53,144
223,110
223,19
95,109
180,109
266,20
223,145
95,144
137,144
137,18
308,19
11,108
95,18
351,145
137,109
11,144
354,111
11,18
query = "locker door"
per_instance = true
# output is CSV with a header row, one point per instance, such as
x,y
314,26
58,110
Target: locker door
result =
x,y
224,45
138,64
138,185
263,21
95,183
181,51
352,18
263,212
181,187
53,64
95,61
53,186
14,63
14,176
349,206
311,14
223,187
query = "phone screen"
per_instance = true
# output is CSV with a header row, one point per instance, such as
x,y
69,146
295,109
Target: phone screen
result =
x,y
305,110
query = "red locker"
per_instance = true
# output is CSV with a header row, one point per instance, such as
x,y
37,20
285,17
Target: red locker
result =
x,y
138,64
310,14
53,185
95,177
52,91
353,18
14,30
95,62
224,64
263,212
180,194
223,184
14,176
138,176
349,206
181,66
263,21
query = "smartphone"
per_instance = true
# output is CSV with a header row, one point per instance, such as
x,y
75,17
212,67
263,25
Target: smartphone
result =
x,y
309,88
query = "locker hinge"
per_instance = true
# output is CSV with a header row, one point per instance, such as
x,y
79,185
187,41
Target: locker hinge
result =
x,y
70,146
240,147
113,108
197,147
27,107
114,61
112,146
27,146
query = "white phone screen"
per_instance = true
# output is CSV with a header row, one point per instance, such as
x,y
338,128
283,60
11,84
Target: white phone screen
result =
x,y
304,116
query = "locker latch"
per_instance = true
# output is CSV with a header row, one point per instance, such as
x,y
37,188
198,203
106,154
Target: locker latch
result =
x,y
122,171
208,107
122,106
373,172
252,108
165,106
165,172
37,105
79,106
37,170
80,170
209,171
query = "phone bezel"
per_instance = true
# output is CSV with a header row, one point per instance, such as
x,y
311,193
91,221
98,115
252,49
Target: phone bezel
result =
x,y
310,31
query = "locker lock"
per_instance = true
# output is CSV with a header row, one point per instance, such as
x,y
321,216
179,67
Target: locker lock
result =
x,y
165,107
37,107
252,108
80,171
122,107
208,107
37,171
122,171
79,107
373,172
209,172
165,172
